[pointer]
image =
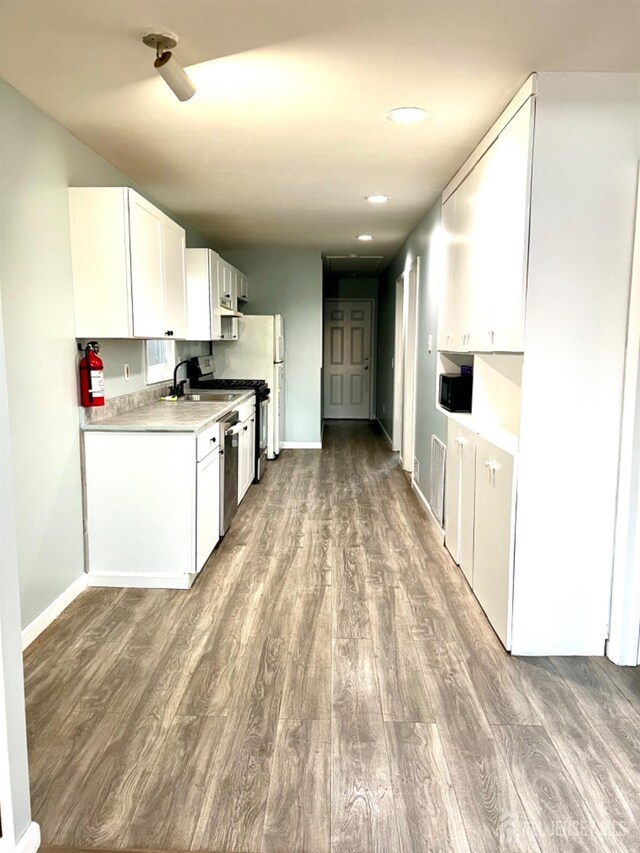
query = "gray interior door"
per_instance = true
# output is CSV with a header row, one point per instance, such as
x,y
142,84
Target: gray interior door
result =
x,y
347,359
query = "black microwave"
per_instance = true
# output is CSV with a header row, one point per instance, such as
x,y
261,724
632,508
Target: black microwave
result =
x,y
455,391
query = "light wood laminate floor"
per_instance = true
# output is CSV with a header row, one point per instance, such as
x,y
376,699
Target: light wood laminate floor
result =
x,y
328,684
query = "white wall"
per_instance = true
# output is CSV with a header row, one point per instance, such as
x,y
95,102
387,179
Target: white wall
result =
x,y
14,775
39,160
290,283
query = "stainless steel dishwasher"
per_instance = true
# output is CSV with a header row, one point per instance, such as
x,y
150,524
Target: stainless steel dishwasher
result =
x,y
229,471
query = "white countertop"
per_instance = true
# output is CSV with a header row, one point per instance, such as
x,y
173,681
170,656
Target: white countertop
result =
x,y
169,416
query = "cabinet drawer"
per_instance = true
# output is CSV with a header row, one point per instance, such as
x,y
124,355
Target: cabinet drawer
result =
x,y
246,410
207,440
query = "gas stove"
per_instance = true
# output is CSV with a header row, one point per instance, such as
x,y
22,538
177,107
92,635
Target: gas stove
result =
x,y
258,385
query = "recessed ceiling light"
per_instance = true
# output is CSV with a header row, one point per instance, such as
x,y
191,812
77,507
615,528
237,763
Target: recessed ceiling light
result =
x,y
365,237
407,115
377,198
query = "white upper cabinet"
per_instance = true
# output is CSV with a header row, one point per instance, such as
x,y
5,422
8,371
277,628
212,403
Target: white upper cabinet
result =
x,y
203,301
445,331
511,190
128,263
243,287
486,226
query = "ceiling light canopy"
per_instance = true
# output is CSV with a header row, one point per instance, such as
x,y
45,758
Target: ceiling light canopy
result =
x,y
407,115
377,198
366,238
167,66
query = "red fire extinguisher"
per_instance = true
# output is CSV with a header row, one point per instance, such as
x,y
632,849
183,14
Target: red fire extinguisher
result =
x,y
91,376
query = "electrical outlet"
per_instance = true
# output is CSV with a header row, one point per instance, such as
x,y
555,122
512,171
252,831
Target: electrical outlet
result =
x,y
416,470
127,373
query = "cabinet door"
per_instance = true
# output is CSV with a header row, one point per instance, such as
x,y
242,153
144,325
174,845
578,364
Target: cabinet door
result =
x,y
208,507
226,280
446,293
198,295
147,268
462,265
483,250
467,457
243,443
452,491
214,289
511,187
174,279
243,292
493,535
99,223
251,452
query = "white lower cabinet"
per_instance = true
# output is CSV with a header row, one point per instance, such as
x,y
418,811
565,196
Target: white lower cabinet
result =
x,y
460,496
152,509
493,535
247,448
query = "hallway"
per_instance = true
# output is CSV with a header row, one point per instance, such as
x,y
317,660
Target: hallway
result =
x,y
329,683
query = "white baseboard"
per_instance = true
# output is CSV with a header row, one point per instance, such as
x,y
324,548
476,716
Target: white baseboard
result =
x,y
386,434
133,580
425,503
302,445
29,841
44,619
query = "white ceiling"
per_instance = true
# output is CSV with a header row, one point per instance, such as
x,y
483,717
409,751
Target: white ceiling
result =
x,y
287,131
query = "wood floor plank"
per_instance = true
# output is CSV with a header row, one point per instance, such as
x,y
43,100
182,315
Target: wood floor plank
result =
x,y
625,678
211,685
403,690
298,815
355,684
278,598
362,805
594,690
169,803
307,688
607,784
350,613
233,814
491,809
109,788
426,807
555,808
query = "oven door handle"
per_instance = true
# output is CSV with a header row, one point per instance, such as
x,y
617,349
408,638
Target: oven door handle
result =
x,y
234,430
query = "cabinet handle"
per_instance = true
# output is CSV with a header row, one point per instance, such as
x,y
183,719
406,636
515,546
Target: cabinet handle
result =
x,y
213,440
169,332
246,428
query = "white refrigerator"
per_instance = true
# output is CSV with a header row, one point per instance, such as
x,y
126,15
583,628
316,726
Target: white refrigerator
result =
x,y
258,354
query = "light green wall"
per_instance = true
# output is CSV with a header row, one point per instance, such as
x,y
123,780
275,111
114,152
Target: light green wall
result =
x,y
423,242
39,160
290,283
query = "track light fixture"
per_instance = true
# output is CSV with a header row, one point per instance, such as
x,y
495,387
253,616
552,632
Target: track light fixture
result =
x,y
167,66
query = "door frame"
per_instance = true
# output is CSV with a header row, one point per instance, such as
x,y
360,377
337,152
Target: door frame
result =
x,y
398,366
405,362
373,337
623,645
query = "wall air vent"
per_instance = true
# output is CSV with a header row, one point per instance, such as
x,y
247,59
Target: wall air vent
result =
x,y
436,482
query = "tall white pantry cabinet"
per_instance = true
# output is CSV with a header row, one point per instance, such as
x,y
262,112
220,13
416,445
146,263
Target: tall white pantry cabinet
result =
x,y
538,232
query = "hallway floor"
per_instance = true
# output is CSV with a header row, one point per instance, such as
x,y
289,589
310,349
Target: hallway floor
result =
x,y
329,683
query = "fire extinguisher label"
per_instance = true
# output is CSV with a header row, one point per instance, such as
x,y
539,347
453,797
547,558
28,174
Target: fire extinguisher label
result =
x,y
97,383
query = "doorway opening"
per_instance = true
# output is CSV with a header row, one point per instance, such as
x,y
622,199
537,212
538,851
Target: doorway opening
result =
x,y
404,365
